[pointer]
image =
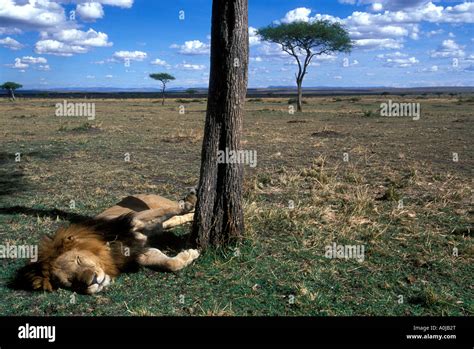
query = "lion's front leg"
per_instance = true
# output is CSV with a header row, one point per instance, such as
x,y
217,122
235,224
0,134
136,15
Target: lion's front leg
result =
x,y
153,257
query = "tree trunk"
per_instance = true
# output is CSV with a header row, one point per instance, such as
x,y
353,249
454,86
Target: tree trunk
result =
x,y
163,95
299,99
219,217
11,93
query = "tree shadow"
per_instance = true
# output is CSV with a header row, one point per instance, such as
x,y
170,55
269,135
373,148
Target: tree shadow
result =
x,y
51,213
11,178
170,241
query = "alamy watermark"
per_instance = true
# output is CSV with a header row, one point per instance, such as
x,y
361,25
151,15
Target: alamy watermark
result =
x,y
76,109
391,108
336,251
246,157
19,251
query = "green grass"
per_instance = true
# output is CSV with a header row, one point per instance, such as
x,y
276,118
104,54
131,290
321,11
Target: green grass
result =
x,y
280,267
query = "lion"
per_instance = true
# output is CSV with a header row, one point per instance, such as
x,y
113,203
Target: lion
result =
x,y
86,257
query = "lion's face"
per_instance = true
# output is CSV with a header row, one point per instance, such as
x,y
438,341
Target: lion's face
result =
x,y
79,270
75,258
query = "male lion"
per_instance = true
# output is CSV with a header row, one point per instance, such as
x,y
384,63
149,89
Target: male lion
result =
x,y
86,257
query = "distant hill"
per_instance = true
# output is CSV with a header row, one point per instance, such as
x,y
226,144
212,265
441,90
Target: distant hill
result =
x,y
274,91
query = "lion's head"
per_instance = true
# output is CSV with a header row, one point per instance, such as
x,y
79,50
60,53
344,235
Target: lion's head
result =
x,y
76,258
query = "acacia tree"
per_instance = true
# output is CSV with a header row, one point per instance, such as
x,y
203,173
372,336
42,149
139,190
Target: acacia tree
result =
x,y
304,40
218,219
164,78
11,87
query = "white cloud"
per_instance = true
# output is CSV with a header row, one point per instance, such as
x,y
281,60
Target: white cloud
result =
x,y
109,76
193,47
90,11
432,69
300,14
18,64
11,43
9,31
90,38
392,55
378,44
34,60
377,7
54,47
434,32
159,62
59,35
32,14
23,63
130,55
118,3
448,48
401,62
45,67
398,59
187,66
254,39
68,42
388,30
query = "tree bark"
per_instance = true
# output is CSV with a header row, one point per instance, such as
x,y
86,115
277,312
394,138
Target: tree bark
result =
x,y
11,94
218,219
163,95
299,99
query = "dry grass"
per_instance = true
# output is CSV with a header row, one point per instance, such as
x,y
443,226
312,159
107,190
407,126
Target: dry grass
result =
x,y
400,194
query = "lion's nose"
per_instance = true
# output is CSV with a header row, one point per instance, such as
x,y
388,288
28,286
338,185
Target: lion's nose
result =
x,y
94,280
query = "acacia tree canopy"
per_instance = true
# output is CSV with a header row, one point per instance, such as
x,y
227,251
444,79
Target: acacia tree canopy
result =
x,y
9,85
164,78
304,40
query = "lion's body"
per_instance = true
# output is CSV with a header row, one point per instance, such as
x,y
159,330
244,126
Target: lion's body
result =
x,y
88,256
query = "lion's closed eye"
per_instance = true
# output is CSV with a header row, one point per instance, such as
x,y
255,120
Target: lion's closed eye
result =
x,y
78,260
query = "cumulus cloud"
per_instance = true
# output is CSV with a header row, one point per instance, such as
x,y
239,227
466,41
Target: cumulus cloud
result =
x,y
71,41
59,35
300,14
254,39
34,60
448,48
389,29
193,47
45,67
130,55
159,62
57,48
11,43
398,60
188,66
90,11
432,69
31,14
18,64
25,62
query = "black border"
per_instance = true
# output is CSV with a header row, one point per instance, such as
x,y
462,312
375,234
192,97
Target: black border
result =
x,y
355,332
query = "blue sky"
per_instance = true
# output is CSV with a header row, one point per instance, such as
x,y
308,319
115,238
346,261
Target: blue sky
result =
x,y
117,43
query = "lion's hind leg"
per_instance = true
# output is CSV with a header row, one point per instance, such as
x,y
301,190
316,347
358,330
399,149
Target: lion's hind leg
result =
x,y
154,258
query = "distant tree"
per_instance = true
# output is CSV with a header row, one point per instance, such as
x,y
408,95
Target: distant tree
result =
x,y
304,40
11,87
164,78
191,91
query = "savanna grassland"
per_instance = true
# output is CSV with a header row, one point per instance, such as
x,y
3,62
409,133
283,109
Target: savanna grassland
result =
x,y
400,193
